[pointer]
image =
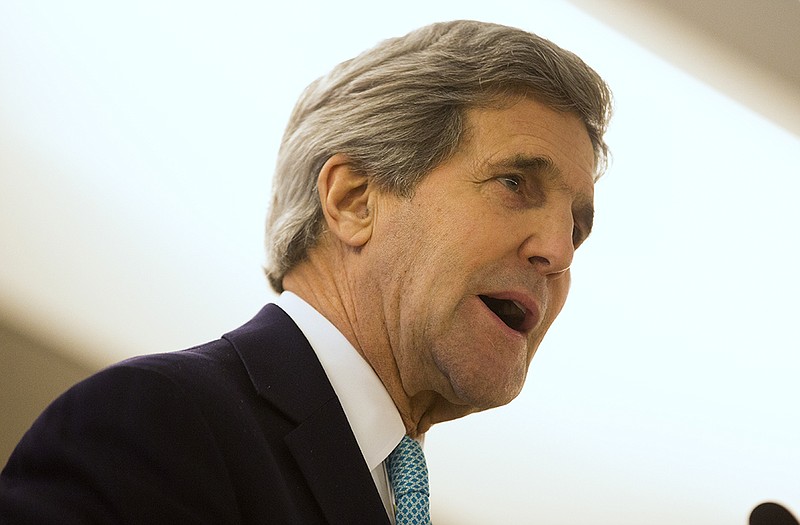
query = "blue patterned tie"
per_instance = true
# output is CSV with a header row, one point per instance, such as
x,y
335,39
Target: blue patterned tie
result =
x,y
408,475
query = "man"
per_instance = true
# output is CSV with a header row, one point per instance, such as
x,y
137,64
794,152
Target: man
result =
x,y
428,200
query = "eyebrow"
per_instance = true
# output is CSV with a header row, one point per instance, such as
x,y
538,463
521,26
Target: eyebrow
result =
x,y
542,167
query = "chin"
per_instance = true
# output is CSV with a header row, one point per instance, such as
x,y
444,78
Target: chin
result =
x,y
482,373
487,394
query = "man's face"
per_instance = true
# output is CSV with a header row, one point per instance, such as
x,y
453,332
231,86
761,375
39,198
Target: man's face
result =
x,y
473,269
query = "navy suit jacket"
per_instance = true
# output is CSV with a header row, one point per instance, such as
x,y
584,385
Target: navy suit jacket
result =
x,y
243,430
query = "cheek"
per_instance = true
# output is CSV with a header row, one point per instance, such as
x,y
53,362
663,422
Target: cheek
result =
x,y
557,297
562,286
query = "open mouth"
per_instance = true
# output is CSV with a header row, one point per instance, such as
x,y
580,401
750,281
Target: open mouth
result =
x,y
510,312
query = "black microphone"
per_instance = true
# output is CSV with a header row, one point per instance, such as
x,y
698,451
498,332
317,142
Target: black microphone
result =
x,y
772,514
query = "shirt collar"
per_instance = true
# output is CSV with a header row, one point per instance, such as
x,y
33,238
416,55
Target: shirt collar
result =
x,y
372,415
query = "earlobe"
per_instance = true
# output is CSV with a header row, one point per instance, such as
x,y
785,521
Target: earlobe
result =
x,y
345,198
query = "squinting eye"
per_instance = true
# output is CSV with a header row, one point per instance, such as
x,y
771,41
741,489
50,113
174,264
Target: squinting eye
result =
x,y
577,237
512,183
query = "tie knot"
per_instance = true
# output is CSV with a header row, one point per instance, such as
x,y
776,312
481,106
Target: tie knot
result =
x,y
407,469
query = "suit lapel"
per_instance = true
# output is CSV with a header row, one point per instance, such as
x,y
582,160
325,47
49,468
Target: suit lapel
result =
x,y
346,495
285,370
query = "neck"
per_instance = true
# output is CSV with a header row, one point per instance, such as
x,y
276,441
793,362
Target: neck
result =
x,y
328,284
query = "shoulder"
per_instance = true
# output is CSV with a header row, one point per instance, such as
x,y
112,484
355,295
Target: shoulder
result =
x,y
160,435
190,368
130,434
224,361
142,396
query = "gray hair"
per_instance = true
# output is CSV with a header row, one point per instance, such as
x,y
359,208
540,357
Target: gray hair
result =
x,y
398,111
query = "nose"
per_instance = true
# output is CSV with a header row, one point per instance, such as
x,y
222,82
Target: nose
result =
x,y
549,245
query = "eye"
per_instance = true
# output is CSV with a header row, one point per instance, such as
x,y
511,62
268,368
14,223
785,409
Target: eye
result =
x,y
512,182
578,236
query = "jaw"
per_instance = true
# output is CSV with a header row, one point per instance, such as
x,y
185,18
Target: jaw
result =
x,y
429,408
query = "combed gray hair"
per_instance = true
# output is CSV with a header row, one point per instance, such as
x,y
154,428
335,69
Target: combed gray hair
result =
x,y
397,111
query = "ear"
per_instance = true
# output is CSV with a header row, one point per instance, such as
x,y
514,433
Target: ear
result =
x,y
345,196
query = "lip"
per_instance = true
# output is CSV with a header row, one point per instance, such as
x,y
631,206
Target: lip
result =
x,y
526,300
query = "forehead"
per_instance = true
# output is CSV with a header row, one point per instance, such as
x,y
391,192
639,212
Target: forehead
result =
x,y
527,131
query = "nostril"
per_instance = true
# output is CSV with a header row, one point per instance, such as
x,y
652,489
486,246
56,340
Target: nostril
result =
x,y
538,260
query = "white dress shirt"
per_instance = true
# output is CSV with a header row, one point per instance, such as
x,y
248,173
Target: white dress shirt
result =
x,y
372,415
